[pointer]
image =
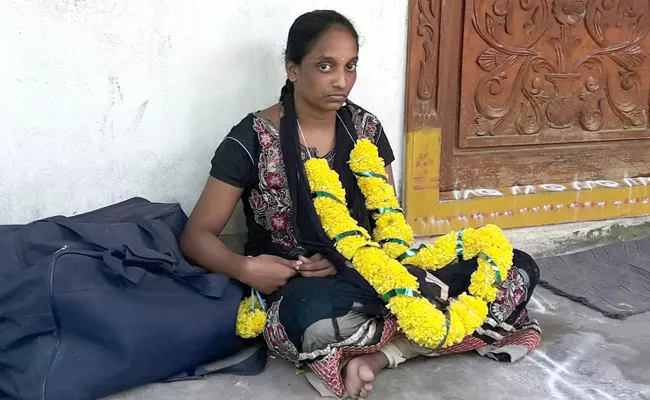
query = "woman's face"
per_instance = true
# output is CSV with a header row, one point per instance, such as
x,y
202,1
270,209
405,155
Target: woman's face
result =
x,y
327,74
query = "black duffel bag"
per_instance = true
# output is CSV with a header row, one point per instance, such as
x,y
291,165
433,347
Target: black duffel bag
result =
x,y
102,302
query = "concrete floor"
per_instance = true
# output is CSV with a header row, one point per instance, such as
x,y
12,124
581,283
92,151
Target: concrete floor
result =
x,y
583,354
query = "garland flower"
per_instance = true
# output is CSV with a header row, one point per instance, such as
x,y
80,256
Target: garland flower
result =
x,y
488,243
251,316
420,320
380,260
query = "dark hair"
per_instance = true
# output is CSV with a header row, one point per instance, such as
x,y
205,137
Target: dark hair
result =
x,y
304,33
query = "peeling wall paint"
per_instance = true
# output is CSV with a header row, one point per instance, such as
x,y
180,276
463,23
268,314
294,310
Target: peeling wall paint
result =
x,y
104,100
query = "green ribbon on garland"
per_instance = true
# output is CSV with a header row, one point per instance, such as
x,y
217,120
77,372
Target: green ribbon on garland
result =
x,y
328,195
459,244
371,175
448,325
410,253
348,234
384,210
396,292
394,240
495,268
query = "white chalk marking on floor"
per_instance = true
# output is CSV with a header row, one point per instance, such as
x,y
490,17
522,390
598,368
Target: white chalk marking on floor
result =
x,y
561,373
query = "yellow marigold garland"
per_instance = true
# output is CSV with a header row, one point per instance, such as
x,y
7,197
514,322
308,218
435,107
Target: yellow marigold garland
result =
x,y
417,317
251,318
391,229
377,261
488,243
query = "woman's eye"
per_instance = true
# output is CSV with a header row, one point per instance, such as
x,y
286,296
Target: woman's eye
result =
x,y
351,67
325,67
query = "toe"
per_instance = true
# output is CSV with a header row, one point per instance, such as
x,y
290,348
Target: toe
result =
x,y
366,374
353,383
368,387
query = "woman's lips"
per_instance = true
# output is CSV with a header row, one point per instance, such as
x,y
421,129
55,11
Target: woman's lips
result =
x,y
338,97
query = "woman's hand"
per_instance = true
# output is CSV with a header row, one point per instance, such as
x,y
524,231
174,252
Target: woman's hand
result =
x,y
266,274
316,266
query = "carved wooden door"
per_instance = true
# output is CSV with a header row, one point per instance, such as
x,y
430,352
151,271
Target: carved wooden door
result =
x,y
531,92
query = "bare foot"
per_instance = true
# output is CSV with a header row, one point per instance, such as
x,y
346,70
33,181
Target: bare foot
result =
x,y
360,373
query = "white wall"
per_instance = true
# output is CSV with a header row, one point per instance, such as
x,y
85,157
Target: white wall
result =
x,y
102,100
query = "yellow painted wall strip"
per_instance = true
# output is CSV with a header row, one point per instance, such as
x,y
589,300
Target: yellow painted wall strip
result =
x,y
581,201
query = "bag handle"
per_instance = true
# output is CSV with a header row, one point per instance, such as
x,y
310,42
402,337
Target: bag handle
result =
x,y
116,258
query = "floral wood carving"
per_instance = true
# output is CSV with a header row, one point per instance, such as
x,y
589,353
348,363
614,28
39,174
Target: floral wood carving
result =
x,y
428,29
557,64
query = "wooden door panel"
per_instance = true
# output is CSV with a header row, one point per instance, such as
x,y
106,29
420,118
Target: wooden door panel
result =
x,y
424,43
551,165
545,91
526,112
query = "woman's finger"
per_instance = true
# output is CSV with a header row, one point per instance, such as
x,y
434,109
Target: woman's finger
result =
x,y
316,257
289,263
319,274
316,265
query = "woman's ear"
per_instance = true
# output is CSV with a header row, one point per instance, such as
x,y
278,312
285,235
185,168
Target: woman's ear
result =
x,y
292,71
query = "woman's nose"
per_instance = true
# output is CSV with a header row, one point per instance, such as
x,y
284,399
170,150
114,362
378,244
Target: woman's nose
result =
x,y
340,80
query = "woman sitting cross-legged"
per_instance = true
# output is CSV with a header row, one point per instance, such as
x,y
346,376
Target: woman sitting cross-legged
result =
x,y
321,310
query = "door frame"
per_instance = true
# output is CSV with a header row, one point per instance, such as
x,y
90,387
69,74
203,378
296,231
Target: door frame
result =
x,y
431,212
